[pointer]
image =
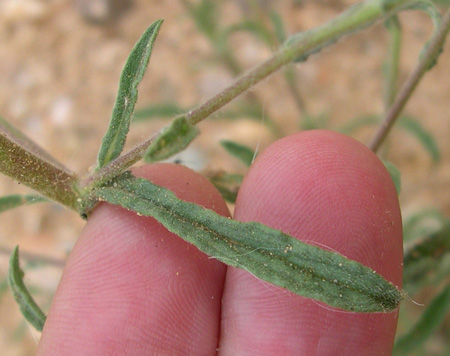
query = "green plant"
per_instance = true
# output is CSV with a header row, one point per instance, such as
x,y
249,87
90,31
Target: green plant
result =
x,y
215,235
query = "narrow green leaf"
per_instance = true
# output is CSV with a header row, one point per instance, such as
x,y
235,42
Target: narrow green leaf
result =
x,y
395,175
166,110
357,123
424,259
421,223
204,14
427,140
278,26
432,11
430,320
173,138
241,152
28,306
15,200
267,253
132,74
407,123
434,246
255,28
227,184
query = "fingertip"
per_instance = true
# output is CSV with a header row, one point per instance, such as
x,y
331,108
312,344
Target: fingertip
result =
x,y
327,188
331,191
132,287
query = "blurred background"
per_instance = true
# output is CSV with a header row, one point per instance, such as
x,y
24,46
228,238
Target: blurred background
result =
x,y
60,62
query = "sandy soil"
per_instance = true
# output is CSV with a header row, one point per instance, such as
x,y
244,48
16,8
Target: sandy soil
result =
x,y
58,80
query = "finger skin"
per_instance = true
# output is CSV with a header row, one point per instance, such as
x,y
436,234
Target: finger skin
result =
x,y
328,190
130,287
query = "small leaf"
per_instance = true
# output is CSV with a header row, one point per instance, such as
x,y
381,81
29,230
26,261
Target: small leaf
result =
x,y
395,175
407,123
278,26
204,14
430,320
434,246
427,140
357,123
173,139
157,111
227,184
28,306
424,259
432,11
132,74
14,201
267,253
255,28
241,152
424,222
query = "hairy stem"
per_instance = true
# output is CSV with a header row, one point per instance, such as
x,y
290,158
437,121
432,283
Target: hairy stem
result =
x,y
33,170
298,47
408,87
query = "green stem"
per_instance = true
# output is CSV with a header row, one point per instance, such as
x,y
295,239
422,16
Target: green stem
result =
x,y
29,168
431,53
298,46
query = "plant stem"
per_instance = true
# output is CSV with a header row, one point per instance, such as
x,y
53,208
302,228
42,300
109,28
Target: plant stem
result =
x,y
431,53
298,46
29,168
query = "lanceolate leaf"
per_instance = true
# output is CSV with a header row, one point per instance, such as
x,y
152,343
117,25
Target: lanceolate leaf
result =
x,y
132,74
173,138
14,201
157,111
425,259
431,318
241,152
267,253
433,246
414,127
227,184
28,306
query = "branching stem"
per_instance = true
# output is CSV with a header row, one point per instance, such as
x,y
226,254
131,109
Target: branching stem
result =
x,y
410,84
298,47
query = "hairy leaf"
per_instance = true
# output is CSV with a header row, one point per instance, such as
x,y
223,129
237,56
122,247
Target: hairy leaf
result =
x,y
241,152
28,306
132,74
430,320
15,200
173,138
267,253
